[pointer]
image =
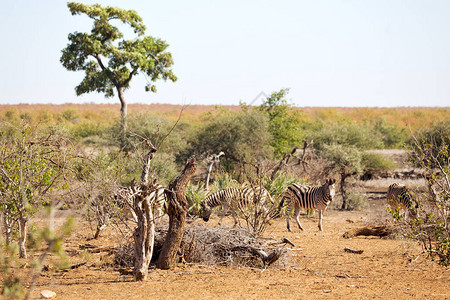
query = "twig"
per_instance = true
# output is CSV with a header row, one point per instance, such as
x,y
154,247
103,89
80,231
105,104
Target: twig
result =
x,y
285,240
173,127
353,251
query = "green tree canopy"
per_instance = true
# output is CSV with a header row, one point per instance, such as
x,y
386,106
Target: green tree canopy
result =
x,y
108,59
243,137
284,122
346,161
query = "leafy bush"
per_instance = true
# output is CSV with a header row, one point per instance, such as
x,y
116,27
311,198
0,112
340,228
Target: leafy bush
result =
x,y
284,124
195,194
70,114
391,135
360,136
374,162
223,181
356,201
431,226
431,146
278,185
85,129
243,137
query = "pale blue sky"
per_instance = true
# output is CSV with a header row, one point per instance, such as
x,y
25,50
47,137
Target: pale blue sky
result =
x,y
329,53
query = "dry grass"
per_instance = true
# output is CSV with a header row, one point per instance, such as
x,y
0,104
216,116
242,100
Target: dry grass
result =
x,y
404,117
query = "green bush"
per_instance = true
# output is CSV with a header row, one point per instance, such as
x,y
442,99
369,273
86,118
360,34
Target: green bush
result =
x,y
356,201
360,136
373,162
284,122
223,181
431,146
195,194
243,137
70,114
391,135
85,129
278,185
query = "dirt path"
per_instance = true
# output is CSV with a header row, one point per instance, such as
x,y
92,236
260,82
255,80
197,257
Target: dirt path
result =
x,y
321,269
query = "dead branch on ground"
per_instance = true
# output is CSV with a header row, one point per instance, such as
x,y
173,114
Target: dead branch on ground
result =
x,y
380,231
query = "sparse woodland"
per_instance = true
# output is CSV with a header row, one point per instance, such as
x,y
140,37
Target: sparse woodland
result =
x,y
138,201
65,160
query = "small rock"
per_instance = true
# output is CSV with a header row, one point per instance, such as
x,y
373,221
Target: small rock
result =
x,y
46,294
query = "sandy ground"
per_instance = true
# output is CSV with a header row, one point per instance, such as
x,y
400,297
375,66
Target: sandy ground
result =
x,y
319,268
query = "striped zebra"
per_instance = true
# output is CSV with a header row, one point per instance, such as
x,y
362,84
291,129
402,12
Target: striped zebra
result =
x,y
158,197
399,198
307,197
234,199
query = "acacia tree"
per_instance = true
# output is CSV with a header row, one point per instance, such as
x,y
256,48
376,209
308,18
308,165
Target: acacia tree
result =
x,y
109,60
346,161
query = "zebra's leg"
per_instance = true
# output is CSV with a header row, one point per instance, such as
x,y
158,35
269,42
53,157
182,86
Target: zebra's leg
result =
x,y
297,215
288,212
320,219
158,214
224,211
236,218
405,214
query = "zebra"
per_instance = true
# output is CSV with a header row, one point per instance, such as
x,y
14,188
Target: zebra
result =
x,y
399,198
233,198
307,197
157,196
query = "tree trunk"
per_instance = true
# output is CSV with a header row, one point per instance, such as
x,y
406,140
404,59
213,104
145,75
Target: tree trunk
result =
x,y
7,221
22,237
144,235
208,175
123,117
342,190
177,211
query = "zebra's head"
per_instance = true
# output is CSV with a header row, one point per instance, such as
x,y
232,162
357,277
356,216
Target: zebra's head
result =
x,y
206,211
330,189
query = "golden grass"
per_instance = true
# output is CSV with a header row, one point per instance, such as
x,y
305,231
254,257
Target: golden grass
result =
x,y
404,117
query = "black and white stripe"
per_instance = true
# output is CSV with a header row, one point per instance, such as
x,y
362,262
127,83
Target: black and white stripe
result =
x,y
157,197
307,197
399,198
234,199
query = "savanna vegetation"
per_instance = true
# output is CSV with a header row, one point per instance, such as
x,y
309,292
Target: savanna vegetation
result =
x,y
78,155
105,162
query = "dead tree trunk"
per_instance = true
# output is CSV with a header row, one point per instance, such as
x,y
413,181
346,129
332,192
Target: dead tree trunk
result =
x,y
285,160
213,159
144,234
177,211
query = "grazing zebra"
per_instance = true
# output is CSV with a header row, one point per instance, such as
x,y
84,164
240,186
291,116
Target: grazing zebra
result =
x,y
233,198
157,196
307,197
399,198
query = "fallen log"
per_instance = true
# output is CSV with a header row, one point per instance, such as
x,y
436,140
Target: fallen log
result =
x,y
380,231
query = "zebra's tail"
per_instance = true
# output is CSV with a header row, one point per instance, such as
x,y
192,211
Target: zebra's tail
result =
x,y
280,206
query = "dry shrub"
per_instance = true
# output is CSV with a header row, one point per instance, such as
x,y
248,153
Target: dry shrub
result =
x,y
211,246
